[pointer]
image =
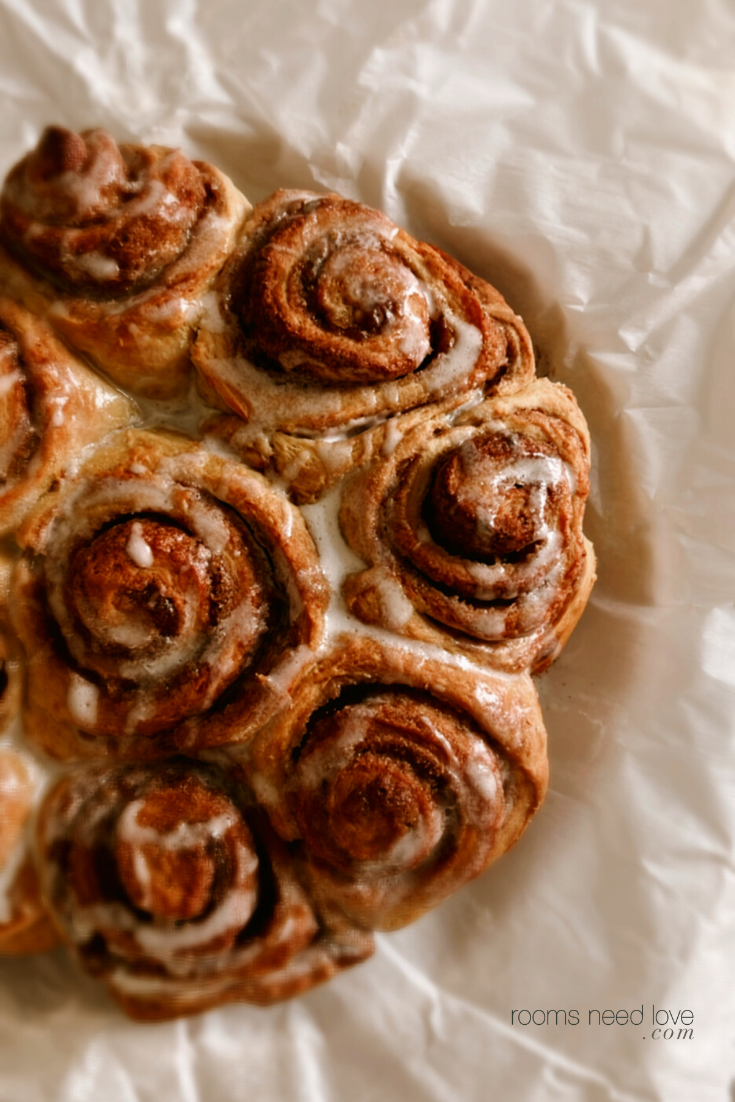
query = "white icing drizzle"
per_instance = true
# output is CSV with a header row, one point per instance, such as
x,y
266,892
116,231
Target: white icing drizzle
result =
x,y
415,843
172,309
82,699
397,608
160,656
403,323
8,381
321,763
140,552
393,437
266,793
282,677
538,473
58,403
451,367
165,941
336,558
338,561
483,778
99,266
184,836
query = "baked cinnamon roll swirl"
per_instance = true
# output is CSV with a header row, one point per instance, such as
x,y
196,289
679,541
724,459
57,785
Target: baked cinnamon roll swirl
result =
x,y
119,243
471,528
165,599
328,315
399,776
51,407
174,890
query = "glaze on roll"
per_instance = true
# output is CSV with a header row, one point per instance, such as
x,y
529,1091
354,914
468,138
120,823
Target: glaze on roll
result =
x,y
329,315
162,598
25,926
175,893
400,777
477,519
52,407
119,243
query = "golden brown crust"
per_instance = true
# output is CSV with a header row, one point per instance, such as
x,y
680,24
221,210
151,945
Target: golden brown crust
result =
x,y
173,889
51,407
329,315
16,795
11,675
25,926
476,521
165,599
29,928
309,468
118,244
400,775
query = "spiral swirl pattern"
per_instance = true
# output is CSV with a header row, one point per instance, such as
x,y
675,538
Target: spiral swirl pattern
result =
x,y
330,302
97,217
478,519
118,244
397,783
170,895
162,595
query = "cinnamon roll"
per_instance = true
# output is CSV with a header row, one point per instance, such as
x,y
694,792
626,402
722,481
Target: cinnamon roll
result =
x,y
166,599
471,529
10,664
285,660
24,924
51,408
119,243
329,316
174,891
399,776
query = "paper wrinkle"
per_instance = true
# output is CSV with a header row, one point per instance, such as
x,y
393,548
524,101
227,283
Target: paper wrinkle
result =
x,y
581,156
445,1015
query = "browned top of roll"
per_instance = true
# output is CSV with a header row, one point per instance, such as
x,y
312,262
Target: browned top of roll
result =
x,y
101,218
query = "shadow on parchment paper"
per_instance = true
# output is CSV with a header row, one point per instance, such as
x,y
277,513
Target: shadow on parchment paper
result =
x,y
592,678
257,161
617,517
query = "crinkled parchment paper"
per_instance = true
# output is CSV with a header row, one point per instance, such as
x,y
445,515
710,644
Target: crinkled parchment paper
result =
x,y
580,155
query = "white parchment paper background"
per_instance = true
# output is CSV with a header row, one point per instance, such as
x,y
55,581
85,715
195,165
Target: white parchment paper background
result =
x,y
581,155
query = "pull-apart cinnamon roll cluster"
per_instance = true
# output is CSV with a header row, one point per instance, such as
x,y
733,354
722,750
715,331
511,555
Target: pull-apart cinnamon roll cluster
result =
x,y
287,522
